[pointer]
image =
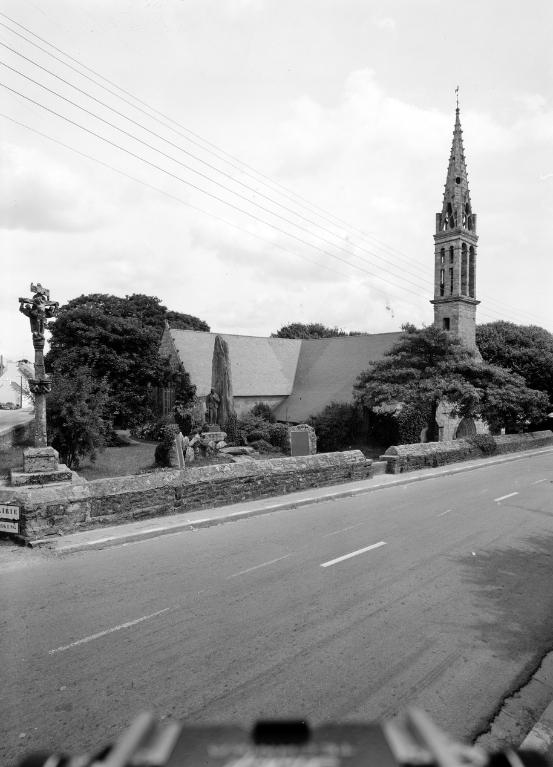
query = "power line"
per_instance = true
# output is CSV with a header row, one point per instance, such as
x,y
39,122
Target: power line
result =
x,y
328,216
205,141
212,167
203,191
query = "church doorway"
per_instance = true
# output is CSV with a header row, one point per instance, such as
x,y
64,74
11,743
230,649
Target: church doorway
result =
x,y
466,428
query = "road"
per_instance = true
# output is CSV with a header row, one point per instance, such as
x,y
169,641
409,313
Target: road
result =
x,y
435,593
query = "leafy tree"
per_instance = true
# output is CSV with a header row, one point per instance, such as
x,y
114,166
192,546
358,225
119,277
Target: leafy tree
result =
x,y
117,339
74,411
312,330
427,366
523,349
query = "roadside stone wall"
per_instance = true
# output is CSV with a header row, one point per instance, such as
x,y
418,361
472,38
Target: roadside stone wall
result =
x,y
401,458
80,505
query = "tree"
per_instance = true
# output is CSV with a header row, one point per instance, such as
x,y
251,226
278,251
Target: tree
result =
x,y
74,410
426,367
523,349
313,330
117,340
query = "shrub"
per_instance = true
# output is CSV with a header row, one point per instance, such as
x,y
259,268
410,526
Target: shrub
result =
x,y
263,446
335,426
411,420
262,410
151,430
485,442
278,436
163,450
231,429
188,416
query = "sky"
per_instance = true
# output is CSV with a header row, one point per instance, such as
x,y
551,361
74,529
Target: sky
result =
x,y
261,162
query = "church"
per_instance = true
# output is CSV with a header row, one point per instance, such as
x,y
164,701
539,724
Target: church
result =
x,y
298,378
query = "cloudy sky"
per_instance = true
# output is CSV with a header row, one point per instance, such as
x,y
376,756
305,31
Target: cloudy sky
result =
x,y
260,162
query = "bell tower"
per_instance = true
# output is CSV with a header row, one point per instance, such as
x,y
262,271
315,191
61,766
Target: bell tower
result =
x,y
455,251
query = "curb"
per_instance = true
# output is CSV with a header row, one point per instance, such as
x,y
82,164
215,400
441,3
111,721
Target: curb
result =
x,y
194,524
540,737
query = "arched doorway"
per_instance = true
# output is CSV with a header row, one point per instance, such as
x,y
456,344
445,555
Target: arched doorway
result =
x,y
466,428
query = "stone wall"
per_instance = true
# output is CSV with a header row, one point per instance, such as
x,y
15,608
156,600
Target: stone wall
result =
x,y
82,505
401,458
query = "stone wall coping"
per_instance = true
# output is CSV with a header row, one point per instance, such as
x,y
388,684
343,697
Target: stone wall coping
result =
x,y
455,445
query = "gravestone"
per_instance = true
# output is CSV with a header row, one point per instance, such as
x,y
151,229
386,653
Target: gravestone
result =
x,y
303,440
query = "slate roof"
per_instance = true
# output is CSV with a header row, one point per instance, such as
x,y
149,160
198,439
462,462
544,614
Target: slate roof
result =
x,y
311,373
327,371
259,366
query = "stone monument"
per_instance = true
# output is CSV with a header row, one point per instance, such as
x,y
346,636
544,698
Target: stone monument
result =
x,y
40,463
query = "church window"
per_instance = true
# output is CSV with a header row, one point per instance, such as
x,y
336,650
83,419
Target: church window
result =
x,y
472,271
451,254
458,180
451,281
442,282
446,323
442,256
464,270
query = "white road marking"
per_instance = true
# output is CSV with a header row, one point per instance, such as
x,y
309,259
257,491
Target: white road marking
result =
x,y
537,482
343,529
256,567
502,497
353,554
108,631
444,512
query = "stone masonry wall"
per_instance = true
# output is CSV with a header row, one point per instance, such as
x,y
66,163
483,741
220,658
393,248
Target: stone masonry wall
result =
x,y
82,505
401,458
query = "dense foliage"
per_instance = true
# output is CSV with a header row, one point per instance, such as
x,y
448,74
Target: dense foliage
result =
x,y
311,330
427,366
75,415
336,426
523,349
117,339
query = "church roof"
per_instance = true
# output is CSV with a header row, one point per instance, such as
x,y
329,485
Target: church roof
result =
x,y
327,371
310,373
259,366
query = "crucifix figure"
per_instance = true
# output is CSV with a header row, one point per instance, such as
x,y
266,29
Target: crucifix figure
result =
x,y
39,309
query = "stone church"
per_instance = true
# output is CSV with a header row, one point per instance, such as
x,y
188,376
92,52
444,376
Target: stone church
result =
x,y
298,378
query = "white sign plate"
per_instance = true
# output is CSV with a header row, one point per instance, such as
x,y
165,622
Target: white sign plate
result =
x,y
9,512
9,527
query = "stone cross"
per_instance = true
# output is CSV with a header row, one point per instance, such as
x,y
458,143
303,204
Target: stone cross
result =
x,y
38,309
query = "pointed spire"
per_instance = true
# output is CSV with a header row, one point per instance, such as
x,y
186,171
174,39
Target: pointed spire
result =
x,y
456,208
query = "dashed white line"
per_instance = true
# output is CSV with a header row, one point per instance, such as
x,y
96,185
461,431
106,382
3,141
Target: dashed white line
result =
x,y
343,529
503,497
108,631
256,567
444,512
353,554
538,481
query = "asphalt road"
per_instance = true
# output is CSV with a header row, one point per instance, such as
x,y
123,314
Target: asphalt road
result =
x,y
436,594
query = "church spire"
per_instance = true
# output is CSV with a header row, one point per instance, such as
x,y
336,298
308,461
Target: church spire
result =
x,y
455,250
456,209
